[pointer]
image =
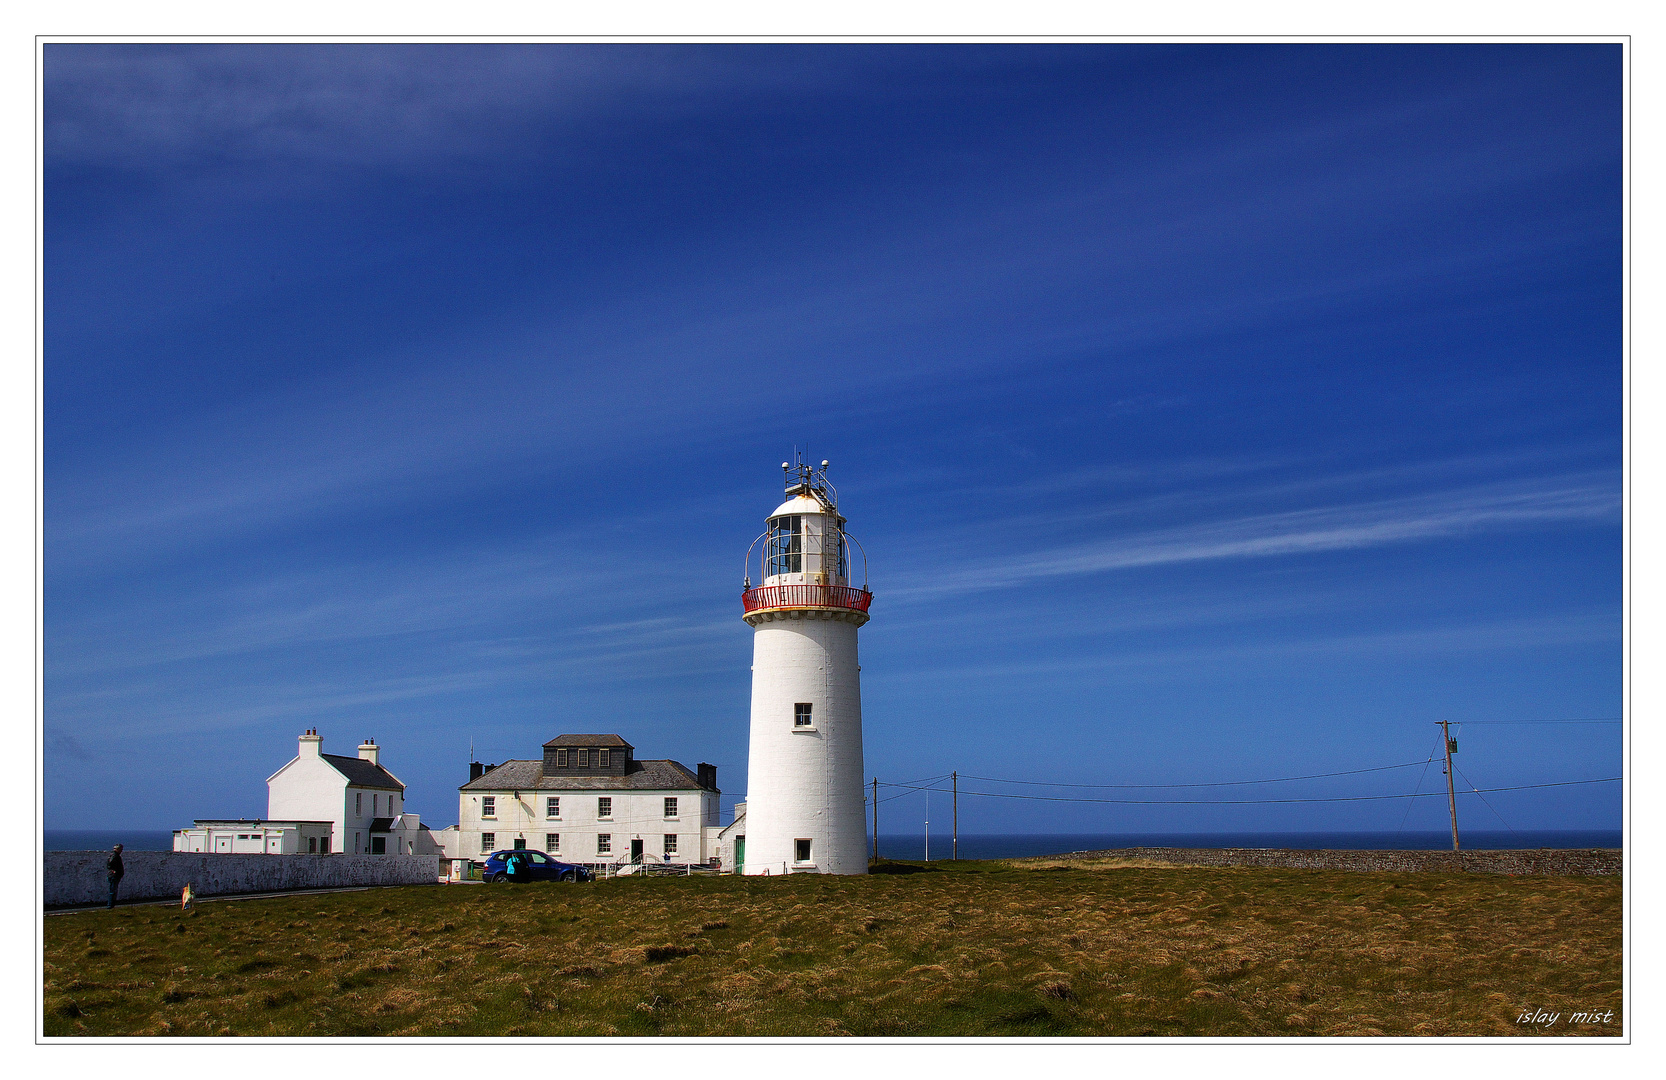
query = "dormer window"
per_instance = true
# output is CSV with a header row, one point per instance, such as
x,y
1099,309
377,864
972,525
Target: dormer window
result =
x,y
584,759
602,758
561,759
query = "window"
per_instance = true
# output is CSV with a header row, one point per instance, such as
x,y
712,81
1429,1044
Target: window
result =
x,y
375,806
801,850
552,842
801,715
378,845
670,807
561,759
552,808
784,555
312,845
604,807
358,802
602,758
670,843
488,841
604,843
488,806
584,759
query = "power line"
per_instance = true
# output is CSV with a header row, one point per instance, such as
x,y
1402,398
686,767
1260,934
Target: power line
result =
x,y
1484,802
1598,720
1223,783
1420,778
927,780
1258,802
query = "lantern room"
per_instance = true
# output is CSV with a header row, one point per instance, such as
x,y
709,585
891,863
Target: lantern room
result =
x,y
805,545
803,555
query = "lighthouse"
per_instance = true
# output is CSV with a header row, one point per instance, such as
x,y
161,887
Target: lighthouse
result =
x,y
804,806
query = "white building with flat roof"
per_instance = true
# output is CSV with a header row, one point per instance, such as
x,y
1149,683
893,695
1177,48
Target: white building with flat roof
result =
x,y
246,836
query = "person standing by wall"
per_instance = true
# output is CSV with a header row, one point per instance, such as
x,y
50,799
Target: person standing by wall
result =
x,y
115,870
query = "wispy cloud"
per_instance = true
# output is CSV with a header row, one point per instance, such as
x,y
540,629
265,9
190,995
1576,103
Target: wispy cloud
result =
x,y
1444,640
1569,500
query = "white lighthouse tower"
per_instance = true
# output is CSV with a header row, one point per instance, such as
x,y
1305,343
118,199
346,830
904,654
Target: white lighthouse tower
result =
x,y
804,807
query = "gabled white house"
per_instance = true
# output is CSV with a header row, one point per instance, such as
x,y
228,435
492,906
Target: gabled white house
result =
x,y
362,801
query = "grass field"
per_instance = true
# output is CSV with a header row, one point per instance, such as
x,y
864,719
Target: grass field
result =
x,y
976,949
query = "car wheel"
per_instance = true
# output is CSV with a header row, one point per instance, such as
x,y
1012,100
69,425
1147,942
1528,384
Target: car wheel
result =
x,y
499,879
568,875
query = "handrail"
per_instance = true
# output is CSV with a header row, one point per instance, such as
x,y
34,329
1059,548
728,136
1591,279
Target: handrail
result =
x,y
864,551
746,578
819,596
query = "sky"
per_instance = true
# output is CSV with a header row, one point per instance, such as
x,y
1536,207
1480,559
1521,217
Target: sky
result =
x,y
1207,413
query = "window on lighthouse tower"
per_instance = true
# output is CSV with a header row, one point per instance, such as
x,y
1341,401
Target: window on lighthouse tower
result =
x,y
786,545
801,714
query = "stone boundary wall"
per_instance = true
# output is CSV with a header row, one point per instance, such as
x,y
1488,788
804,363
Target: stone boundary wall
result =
x,y
78,877
1553,861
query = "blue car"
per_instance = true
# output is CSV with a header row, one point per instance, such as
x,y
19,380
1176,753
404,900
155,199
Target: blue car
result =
x,y
534,866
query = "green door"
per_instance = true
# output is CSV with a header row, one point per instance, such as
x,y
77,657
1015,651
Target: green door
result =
x,y
740,854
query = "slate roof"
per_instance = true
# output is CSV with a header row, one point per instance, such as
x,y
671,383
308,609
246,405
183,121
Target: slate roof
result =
x,y
589,740
361,773
641,776
381,824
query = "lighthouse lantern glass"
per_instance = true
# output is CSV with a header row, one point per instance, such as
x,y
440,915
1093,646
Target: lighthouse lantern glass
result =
x,y
786,545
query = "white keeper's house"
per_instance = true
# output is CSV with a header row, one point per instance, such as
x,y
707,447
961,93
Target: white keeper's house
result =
x,y
321,804
589,799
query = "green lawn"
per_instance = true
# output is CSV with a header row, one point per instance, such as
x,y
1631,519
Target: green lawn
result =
x,y
976,949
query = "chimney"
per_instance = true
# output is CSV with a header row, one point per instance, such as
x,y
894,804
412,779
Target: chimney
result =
x,y
476,771
312,744
369,751
708,775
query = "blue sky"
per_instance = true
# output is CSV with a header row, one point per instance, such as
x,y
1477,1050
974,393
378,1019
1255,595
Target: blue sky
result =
x,y
1207,412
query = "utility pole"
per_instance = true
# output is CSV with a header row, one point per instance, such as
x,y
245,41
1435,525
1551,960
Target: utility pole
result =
x,y
876,818
928,824
1449,745
955,848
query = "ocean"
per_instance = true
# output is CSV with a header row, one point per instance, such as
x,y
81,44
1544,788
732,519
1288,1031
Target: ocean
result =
x,y
1004,846
130,839
994,846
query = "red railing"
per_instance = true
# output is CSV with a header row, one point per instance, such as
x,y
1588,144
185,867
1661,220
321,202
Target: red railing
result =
x,y
781,596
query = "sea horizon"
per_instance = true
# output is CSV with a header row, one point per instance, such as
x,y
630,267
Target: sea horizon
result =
x,y
1019,845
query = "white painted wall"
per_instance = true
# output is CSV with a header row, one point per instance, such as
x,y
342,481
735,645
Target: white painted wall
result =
x,y
805,782
308,788
78,877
